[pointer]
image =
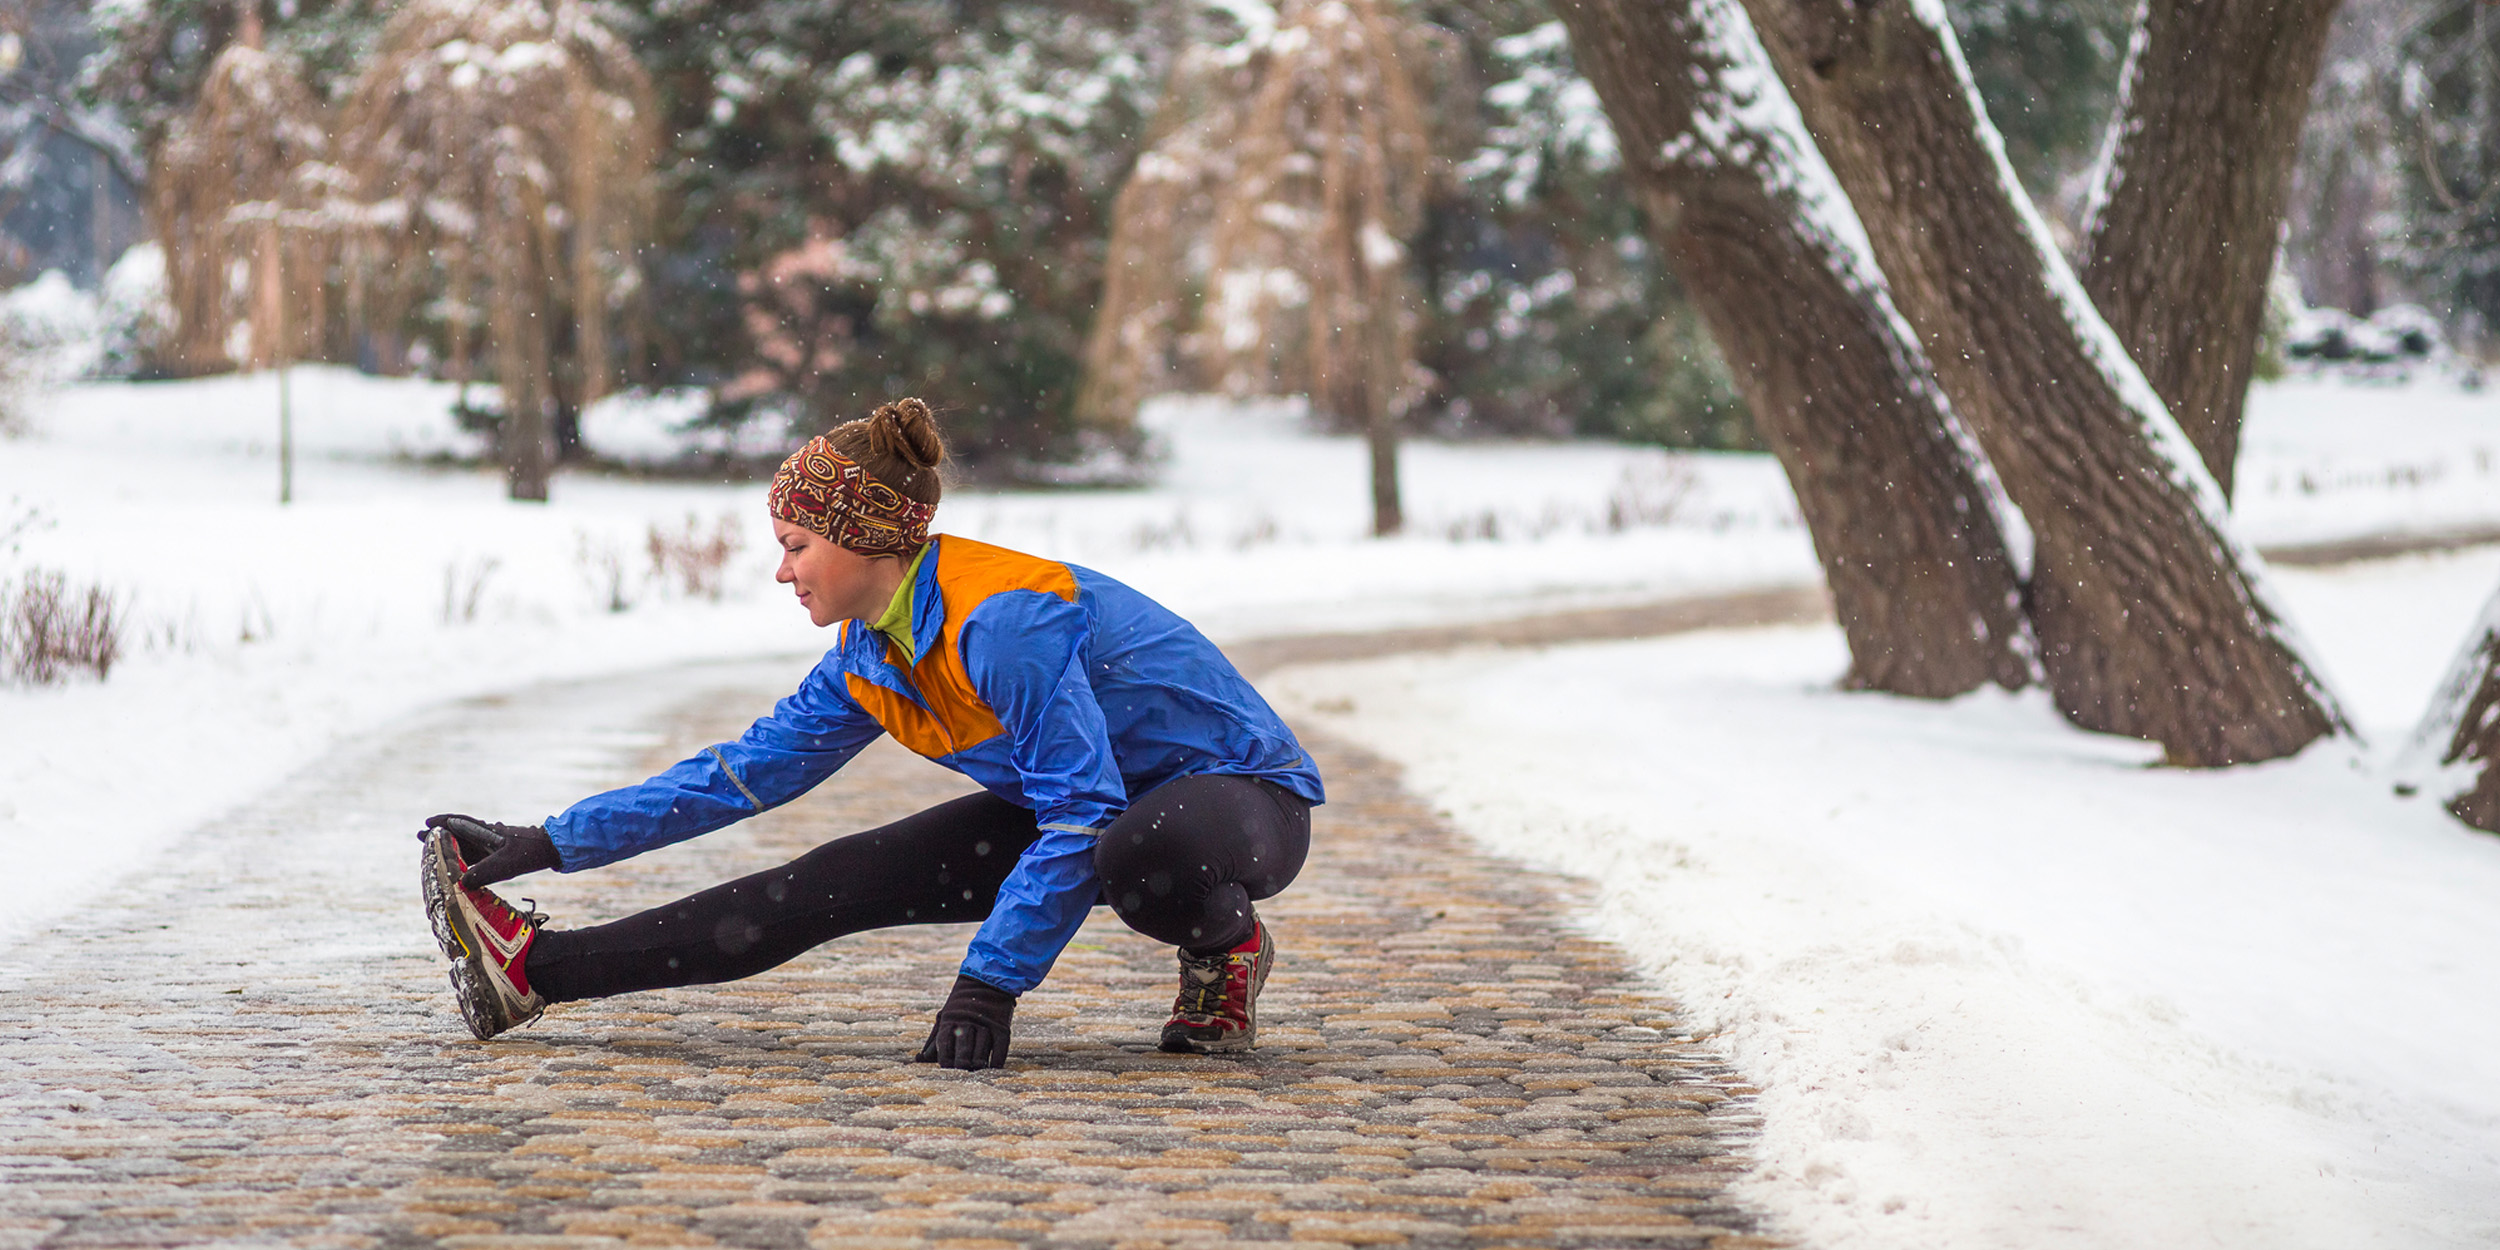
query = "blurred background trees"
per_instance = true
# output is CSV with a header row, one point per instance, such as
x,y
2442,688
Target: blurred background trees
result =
x,y
847,200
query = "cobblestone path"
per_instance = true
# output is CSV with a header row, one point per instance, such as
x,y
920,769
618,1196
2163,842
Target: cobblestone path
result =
x,y
251,1042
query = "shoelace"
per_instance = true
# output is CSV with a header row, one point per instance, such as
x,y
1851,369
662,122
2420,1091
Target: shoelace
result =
x,y
529,912
1203,982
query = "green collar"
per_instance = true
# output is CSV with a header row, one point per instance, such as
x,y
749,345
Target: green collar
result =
x,y
896,623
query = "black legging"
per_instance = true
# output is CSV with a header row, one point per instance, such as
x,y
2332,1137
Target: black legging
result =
x,y
1181,866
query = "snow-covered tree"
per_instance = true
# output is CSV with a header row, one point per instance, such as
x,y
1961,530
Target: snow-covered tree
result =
x,y
2153,619
1741,206
505,151
1311,285
899,198
2178,251
2049,71
1547,309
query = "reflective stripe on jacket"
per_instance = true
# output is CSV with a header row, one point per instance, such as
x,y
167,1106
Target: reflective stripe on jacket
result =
x,y
1053,686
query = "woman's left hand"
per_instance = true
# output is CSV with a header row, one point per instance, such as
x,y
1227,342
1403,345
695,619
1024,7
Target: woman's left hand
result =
x,y
972,1028
496,852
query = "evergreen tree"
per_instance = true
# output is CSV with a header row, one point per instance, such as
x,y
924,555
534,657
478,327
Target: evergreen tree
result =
x,y
871,200
1550,312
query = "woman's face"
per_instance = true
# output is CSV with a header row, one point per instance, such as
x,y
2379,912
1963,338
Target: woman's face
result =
x,y
834,582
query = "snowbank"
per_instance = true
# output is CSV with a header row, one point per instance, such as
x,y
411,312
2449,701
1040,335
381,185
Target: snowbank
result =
x,y
2003,982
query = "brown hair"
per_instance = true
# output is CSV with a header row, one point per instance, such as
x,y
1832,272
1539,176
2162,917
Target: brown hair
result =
x,y
899,445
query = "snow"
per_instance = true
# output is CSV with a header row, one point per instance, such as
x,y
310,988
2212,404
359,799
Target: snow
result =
x,y
2000,982
2003,982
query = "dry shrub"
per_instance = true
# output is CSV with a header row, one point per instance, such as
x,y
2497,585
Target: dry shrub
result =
x,y
464,587
1649,494
691,560
50,630
602,567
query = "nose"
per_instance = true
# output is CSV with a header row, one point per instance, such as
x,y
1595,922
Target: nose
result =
x,y
783,574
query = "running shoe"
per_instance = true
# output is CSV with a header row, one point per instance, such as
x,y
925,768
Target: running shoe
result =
x,y
1218,1008
486,939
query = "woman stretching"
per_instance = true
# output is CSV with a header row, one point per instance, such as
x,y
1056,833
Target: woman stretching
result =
x,y
1121,760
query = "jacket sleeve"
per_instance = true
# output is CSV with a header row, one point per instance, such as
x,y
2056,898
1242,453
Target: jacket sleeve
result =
x,y
1025,653
809,736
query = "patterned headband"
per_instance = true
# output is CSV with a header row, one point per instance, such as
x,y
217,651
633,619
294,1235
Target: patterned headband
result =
x,y
822,490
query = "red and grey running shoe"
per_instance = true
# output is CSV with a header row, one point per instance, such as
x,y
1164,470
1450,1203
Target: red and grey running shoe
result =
x,y
487,941
1218,1008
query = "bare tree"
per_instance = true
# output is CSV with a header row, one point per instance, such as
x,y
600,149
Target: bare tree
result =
x,y
1164,209
1329,179
1300,161
2181,231
2458,738
242,177
1905,521
507,149
2153,619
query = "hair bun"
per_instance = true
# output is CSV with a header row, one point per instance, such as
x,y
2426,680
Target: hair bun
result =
x,y
908,430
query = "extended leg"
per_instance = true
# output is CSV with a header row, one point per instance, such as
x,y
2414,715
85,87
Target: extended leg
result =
x,y
941,865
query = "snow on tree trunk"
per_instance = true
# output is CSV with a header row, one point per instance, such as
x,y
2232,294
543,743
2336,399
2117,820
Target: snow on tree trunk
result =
x,y
2181,233
2458,739
1905,520
2153,619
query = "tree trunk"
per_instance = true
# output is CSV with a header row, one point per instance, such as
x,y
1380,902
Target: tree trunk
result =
x,y
2459,736
1380,432
2152,619
1895,496
517,316
2182,231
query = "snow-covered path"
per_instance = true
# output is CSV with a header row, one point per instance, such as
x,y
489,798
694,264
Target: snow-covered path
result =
x,y
247,1041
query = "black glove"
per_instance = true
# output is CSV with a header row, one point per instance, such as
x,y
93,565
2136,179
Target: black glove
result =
x,y
971,1029
496,852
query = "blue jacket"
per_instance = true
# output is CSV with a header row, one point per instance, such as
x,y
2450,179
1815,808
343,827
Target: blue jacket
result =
x,y
1054,687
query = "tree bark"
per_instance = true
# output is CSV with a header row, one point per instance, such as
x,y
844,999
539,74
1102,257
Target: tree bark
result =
x,y
2181,237
2459,736
2149,618
1903,521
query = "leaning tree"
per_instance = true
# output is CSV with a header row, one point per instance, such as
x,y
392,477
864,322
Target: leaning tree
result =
x,y
507,151
1904,519
2181,229
2153,619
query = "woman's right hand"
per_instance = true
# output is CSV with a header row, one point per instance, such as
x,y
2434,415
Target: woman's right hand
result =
x,y
496,852
972,1028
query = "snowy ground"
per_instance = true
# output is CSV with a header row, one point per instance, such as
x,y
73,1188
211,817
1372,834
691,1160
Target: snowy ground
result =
x,y
1989,969
2005,983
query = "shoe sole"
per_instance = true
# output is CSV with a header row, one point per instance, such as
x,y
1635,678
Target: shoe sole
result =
x,y
442,881
469,985
1249,1037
